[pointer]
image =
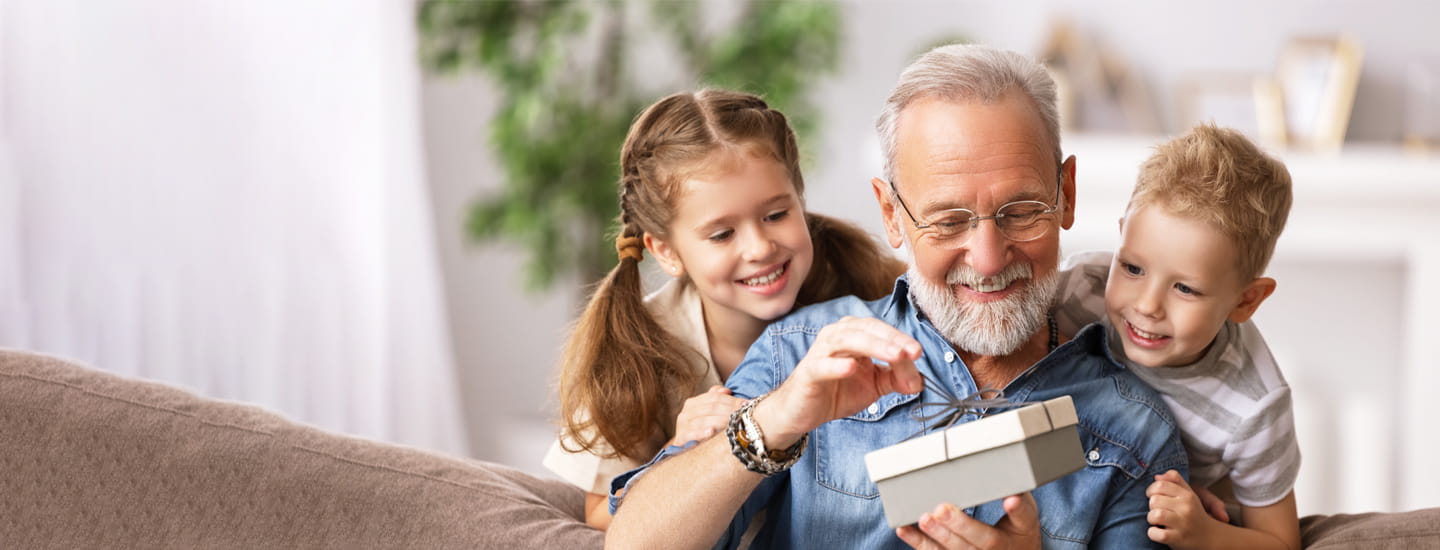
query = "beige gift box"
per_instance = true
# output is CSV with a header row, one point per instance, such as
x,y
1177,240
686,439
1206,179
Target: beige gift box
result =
x,y
978,461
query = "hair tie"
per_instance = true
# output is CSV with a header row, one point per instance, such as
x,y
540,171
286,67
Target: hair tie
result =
x,y
631,247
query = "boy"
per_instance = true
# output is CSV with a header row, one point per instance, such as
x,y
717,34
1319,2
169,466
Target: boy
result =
x,y
1199,230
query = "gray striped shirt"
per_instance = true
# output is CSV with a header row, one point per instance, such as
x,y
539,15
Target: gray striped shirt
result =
x,y
1233,406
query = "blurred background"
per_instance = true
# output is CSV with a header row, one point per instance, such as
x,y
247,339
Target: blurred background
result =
x,y
380,216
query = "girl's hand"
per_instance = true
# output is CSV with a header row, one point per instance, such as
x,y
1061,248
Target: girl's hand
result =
x,y
705,415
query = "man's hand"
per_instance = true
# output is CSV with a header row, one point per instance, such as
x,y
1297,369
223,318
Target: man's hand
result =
x,y
1177,518
838,377
947,527
705,415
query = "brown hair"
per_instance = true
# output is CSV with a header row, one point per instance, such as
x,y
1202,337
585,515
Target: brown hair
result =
x,y
620,367
1218,176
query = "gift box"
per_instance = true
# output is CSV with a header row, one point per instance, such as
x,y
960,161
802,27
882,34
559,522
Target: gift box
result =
x,y
979,461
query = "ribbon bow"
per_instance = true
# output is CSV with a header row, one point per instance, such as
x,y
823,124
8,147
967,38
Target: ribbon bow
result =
x,y
952,407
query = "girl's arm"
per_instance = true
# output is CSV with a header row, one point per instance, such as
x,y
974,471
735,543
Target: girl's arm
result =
x,y
597,511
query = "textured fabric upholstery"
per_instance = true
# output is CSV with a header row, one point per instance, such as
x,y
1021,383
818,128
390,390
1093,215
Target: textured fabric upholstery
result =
x,y
1398,531
89,459
93,460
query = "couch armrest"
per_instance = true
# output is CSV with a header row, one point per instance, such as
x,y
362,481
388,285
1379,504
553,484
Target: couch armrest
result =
x,y
1373,531
94,460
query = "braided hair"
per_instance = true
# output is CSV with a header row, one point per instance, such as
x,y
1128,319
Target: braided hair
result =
x,y
622,373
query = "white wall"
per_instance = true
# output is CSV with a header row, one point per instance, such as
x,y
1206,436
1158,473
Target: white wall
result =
x,y
228,196
506,342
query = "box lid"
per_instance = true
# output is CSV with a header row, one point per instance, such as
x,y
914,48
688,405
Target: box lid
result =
x,y
971,437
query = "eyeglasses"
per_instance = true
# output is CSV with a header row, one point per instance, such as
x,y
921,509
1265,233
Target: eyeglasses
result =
x,y
1019,221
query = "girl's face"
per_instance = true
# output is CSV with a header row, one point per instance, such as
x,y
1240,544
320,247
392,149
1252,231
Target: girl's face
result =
x,y
739,233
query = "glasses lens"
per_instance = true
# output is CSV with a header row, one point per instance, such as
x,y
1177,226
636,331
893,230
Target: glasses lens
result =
x,y
953,223
1025,220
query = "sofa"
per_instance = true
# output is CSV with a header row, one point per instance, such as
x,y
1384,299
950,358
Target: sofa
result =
x,y
93,460
90,459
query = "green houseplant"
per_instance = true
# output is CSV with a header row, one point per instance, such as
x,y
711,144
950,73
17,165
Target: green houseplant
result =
x,y
571,75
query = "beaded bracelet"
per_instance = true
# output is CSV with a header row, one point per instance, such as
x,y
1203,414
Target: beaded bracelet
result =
x,y
747,442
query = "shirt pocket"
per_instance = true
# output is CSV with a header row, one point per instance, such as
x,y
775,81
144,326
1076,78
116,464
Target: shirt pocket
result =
x,y
1102,451
840,445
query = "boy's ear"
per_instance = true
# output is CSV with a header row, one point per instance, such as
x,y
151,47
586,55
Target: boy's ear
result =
x,y
665,254
1255,293
887,212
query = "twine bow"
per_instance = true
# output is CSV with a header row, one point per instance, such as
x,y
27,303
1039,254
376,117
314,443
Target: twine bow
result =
x,y
952,407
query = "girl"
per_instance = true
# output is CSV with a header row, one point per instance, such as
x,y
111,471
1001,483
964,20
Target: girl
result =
x,y
710,184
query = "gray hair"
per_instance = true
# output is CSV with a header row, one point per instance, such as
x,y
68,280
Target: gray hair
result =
x,y
967,72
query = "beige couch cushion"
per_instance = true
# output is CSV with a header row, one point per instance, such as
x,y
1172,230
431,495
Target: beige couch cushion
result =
x,y
1411,530
93,460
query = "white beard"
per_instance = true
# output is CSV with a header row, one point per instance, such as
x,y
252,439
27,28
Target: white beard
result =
x,y
994,328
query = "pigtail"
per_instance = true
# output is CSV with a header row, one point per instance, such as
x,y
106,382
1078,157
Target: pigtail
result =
x,y
848,262
619,367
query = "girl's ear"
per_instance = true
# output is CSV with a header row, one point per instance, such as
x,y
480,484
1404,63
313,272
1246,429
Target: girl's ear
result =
x,y
665,254
1255,293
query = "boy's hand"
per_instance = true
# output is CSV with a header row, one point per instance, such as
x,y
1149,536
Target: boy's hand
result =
x,y
1177,518
1213,505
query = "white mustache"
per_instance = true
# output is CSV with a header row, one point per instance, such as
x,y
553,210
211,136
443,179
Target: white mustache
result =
x,y
968,276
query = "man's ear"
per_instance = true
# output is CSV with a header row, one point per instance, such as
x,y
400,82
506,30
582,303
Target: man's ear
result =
x,y
665,254
1067,171
887,212
1255,293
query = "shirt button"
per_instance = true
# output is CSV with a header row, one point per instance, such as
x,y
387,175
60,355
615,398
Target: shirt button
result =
x,y
949,357
1094,455
874,408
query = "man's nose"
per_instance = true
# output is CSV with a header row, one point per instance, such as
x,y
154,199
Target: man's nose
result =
x,y
988,250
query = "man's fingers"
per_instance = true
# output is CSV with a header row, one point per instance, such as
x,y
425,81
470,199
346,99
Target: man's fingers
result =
x,y
1021,513
946,527
869,338
853,344
901,376
912,536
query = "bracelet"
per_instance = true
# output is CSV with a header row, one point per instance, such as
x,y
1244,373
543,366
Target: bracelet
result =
x,y
747,443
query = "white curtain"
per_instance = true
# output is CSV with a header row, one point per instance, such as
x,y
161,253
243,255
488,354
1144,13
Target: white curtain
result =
x,y
228,196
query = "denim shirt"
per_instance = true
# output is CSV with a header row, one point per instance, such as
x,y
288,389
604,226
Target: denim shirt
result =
x,y
826,500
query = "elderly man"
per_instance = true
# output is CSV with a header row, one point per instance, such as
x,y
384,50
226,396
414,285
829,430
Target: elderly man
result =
x,y
976,189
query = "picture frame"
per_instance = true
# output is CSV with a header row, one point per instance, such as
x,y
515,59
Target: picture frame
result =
x,y
1247,103
1096,88
1316,78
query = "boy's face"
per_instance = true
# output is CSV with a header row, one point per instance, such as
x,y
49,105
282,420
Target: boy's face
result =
x,y
1172,285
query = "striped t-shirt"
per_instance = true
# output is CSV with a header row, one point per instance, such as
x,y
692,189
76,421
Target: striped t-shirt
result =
x,y
1233,406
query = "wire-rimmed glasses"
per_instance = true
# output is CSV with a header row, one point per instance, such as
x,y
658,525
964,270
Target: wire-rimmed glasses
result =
x,y
1019,221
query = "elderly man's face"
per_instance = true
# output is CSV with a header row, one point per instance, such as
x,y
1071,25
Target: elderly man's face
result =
x,y
989,295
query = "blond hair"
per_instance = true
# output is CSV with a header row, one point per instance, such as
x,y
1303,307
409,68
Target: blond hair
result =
x,y
620,368
1219,177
